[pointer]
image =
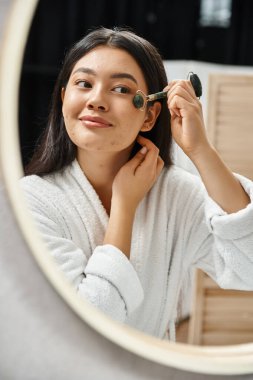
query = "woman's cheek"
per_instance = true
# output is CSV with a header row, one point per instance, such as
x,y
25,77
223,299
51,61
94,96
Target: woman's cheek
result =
x,y
72,101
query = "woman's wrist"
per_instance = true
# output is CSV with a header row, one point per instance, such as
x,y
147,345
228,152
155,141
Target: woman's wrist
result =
x,y
119,230
122,206
219,181
202,154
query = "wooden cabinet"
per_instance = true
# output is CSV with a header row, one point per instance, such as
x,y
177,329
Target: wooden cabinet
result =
x,y
220,317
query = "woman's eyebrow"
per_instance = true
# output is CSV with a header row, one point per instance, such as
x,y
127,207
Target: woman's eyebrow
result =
x,y
84,70
124,75
113,76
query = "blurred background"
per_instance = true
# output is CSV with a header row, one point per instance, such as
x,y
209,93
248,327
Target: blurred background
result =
x,y
211,31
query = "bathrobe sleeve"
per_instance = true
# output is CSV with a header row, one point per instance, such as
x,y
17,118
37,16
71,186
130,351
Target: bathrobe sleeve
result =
x,y
223,243
106,278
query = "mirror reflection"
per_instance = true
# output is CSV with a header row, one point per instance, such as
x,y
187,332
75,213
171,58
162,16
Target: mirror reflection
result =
x,y
125,224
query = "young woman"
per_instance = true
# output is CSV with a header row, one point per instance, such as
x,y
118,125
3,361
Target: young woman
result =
x,y
124,224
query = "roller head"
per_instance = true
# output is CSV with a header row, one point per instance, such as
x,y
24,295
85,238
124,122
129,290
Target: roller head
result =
x,y
196,84
139,100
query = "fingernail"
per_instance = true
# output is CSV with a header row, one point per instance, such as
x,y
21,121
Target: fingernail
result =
x,y
143,150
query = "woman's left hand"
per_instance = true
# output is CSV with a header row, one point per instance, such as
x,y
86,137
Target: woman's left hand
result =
x,y
187,124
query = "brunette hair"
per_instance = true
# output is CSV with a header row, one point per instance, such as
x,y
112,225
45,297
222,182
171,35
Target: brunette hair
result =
x,y
55,149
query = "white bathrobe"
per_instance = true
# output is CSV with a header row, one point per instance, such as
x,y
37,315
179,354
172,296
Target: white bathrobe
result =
x,y
176,227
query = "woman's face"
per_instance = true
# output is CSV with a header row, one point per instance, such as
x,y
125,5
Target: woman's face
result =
x,y
97,102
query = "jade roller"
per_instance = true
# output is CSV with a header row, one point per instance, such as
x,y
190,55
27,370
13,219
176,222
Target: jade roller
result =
x,y
140,99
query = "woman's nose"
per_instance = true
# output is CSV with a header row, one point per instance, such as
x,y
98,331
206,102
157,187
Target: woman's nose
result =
x,y
97,101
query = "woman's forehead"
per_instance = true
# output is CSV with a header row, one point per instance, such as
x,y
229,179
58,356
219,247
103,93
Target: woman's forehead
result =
x,y
107,58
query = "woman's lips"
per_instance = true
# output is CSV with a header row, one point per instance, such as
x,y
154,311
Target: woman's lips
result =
x,y
95,122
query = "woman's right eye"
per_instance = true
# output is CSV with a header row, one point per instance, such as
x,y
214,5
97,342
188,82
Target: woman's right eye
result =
x,y
122,89
83,84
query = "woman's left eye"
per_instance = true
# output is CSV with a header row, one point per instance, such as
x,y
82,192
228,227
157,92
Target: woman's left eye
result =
x,y
83,83
122,89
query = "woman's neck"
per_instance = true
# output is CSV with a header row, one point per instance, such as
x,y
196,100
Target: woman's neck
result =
x,y
100,168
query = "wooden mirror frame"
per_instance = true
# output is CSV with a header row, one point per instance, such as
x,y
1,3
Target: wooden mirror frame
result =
x,y
223,360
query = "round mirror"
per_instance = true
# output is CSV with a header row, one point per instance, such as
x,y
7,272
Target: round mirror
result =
x,y
212,360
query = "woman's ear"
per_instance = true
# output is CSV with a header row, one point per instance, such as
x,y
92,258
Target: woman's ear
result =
x,y
152,114
62,94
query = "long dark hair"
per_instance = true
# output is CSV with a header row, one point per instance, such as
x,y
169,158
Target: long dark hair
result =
x,y
55,149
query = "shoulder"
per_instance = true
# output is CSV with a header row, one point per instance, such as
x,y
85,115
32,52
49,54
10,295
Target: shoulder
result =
x,y
176,177
50,181
32,181
45,189
179,189
35,184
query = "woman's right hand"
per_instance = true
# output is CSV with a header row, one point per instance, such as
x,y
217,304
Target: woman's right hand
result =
x,y
137,176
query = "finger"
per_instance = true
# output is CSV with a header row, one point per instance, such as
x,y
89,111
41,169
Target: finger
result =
x,y
167,88
144,141
152,150
178,105
186,84
172,114
150,166
179,97
146,163
182,92
181,106
138,157
148,143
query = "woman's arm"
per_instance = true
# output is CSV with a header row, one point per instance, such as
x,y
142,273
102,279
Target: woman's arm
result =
x,y
221,185
130,185
188,130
